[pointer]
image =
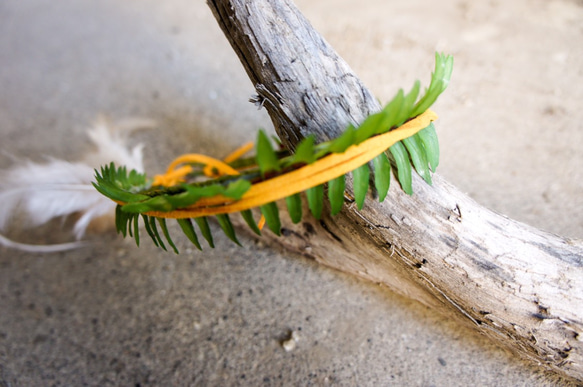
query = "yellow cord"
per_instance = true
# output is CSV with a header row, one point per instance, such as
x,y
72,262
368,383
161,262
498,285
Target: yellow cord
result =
x,y
235,155
299,180
176,175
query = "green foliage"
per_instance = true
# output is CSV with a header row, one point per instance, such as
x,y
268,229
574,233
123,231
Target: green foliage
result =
x,y
418,157
227,226
189,195
294,207
439,82
382,175
117,184
162,223
205,229
401,158
305,153
360,184
336,194
136,234
420,151
428,138
248,217
342,143
266,158
315,196
188,230
271,214
147,227
156,238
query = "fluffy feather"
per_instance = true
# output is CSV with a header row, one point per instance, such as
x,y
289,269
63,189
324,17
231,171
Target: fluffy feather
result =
x,y
59,188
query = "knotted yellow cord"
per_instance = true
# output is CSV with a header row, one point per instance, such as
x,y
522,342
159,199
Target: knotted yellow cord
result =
x,y
174,176
299,180
213,168
235,155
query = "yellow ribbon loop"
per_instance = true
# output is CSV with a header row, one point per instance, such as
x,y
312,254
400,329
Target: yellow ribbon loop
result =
x,y
176,175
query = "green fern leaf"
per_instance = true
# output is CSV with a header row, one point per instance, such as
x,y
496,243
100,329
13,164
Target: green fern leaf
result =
x,y
188,230
271,214
156,233
439,82
157,203
227,227
428,138
121,224
408,104
401,158
304,153
391,113
417,153
149,230
248,217
164,228
203,225
116,184
266,157
343,142
136,218
368,128
130,226
382,175
294,207
336,194
315,197
361,177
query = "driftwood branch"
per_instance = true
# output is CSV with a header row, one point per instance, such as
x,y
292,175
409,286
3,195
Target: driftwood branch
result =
x,y
518,285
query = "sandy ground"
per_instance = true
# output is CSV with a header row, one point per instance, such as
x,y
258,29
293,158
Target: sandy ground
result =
x,y
511,131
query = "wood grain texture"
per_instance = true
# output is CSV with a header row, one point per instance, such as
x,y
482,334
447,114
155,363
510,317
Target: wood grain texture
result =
x,y
518,285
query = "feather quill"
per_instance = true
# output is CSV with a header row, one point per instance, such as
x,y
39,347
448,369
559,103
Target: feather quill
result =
x,y
59,188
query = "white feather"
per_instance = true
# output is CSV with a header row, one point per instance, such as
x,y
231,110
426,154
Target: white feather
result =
x,y
59,188
39,248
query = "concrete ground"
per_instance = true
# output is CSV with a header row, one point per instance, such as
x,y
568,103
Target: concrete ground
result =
x,y
115,315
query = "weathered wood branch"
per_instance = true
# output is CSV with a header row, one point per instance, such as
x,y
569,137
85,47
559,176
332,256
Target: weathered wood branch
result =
x,y
518,285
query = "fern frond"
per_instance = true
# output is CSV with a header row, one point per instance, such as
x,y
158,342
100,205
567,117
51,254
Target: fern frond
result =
x,y
294,207
401,133
382,175
336,194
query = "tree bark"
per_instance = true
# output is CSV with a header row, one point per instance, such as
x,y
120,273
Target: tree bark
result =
x,y
518,285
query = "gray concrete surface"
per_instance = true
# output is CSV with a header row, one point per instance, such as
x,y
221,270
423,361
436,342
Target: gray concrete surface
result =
x,y
112,314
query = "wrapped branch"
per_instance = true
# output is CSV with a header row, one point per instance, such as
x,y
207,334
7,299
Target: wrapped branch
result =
x,y
520,286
